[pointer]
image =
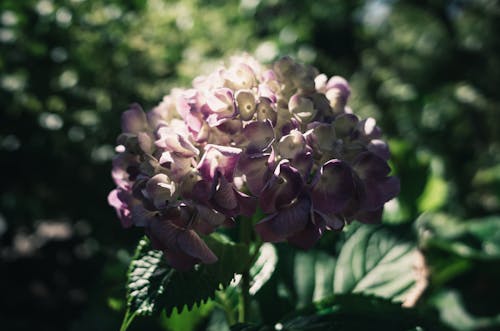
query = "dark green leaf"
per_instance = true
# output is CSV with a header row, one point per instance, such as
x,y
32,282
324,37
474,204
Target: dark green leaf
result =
x,y
453,313
359,312
154,286
475,238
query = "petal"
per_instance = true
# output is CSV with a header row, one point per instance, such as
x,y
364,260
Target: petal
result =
x,y
191,244
333,188
367,129
164,233
180,260
245,100
265,111
247,204
134,120
260,136
174,142
378,192
379,148
256,170
292,145
160,189
239,76
177,166
219,158
370,217
306,238
292,219
221,104
321,138
302,108
208,219
369,166
125,169
266,231
331,221
282,189
224,197
345,124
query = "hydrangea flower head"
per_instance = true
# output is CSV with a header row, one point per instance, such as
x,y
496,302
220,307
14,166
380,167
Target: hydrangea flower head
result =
x,y
247,137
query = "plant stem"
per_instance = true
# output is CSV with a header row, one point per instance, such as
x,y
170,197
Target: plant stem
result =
x,y
127,319
244,300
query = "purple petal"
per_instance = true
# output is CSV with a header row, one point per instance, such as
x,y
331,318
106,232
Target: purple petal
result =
x,y
303,163
337,92
282,189
174,142
220,105
190,243
321,138
246,203
177,166
125,169
145,141
333,188
260,136
230,126
331,221
370,217
208,219
379,148
367,129
134,120
378,192
345,124
224,196
121,208
292,145
179,260
286,222
256,170
341,84
306,238
219,158
239,76
160,189
266,232
302,108
369,166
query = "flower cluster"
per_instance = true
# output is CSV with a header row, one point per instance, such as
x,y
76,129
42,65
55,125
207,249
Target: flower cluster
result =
x,y
246,137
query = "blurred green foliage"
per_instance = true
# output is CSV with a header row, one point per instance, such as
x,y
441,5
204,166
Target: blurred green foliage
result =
x,y
428,71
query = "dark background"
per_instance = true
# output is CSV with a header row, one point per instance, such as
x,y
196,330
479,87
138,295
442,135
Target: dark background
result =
x,y
427,70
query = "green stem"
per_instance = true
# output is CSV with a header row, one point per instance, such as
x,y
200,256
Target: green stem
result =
x,y
127,319
244,300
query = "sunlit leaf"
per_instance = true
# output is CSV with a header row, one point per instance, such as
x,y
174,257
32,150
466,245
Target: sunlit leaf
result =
x,y
375,260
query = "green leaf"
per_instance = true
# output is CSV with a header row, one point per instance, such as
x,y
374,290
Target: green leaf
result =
x,y
453,313
188,320
376,260
249,327
359,312
263,268
313,279
154,286
474,238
